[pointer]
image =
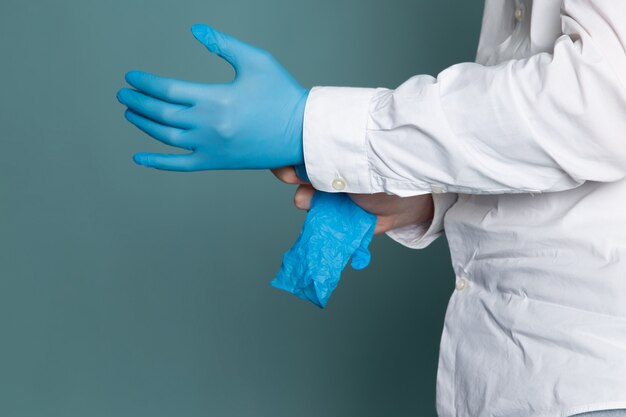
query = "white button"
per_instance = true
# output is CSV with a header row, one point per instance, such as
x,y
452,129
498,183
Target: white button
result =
x,y
461,283
436,189
338,184
519,13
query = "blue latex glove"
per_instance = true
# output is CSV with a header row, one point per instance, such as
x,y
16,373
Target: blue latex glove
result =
x,y
334,230
361,257
252,122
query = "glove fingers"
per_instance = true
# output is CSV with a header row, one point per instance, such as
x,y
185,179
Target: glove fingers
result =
x,y
168,162
360,258
236,52
367,239
166,89
165,113
168,135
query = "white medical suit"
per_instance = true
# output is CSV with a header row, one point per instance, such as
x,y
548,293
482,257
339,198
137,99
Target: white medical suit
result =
x,y
524,151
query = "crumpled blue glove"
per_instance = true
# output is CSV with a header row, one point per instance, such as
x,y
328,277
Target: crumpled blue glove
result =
x,y
334,230
252,122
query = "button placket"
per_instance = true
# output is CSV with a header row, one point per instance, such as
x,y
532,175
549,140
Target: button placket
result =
x,y
519,11
461,283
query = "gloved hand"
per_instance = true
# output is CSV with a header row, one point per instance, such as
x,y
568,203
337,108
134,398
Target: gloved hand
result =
x,y
252,122
334,230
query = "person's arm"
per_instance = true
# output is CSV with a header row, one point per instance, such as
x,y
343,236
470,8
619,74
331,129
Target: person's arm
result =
x,y
413,221
542,124
419,235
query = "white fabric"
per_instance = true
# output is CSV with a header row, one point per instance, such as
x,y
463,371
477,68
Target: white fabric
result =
x,y
525,153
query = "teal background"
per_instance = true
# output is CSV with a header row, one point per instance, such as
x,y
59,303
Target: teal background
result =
x,y
126,291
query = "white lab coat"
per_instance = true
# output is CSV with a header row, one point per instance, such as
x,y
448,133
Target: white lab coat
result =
x,y
525,154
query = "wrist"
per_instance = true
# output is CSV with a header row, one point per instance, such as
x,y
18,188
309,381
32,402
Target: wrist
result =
x,y
298,126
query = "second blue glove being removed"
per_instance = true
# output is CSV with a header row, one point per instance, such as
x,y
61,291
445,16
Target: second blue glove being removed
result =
x,y
334,230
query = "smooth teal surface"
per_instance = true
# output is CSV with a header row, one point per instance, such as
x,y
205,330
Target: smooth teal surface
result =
x,y
135,292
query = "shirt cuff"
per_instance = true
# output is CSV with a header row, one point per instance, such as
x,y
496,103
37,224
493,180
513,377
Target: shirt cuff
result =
x,y
418,236
334,139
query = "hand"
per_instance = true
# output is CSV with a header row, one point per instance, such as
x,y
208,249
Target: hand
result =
x,y
252,122
391,211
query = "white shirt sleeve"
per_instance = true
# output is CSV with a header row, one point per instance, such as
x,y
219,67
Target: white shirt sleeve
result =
x,y
546,123
419,236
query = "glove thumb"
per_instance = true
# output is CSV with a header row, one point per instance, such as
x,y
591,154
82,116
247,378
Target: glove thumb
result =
x,y
362,256
237,53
